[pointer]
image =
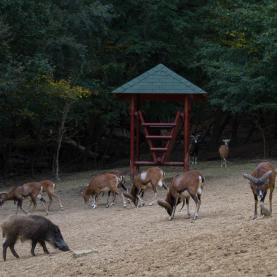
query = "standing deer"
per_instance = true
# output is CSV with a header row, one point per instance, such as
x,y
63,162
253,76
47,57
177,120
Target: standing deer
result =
x,y
261,180
194,148
224,152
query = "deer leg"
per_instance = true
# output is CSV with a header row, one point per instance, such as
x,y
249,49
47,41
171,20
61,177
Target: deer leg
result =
x,y
19,205
114,197
108,197
270,199
45,250
42,200
141,201
124,200
262,207
58,199
155,195
187,203
183,204
50,202
34,244
197,205
255,206
93,203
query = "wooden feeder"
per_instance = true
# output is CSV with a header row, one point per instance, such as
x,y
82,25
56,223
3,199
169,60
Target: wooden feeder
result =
x,y
159,83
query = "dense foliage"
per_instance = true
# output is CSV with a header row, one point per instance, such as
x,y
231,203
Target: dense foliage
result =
x,y
60,60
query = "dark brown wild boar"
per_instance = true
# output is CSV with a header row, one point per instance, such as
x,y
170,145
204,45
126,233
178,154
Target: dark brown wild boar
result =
x,y
36,228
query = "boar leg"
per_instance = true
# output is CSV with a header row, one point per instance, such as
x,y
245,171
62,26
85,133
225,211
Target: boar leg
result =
x,y
42,243
34,244
5,246
8,242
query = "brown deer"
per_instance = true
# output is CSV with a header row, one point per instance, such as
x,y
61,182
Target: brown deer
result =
x,y
105,182
261,180
182,187
49,188
224,152
34,190
14,194
151,178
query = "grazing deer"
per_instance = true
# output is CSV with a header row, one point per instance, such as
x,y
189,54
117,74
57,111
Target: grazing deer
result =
x,y
224,152
151,178
105,182
261,180
183,186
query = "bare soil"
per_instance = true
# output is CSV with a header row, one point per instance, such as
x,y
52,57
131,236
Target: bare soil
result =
x,y
224,241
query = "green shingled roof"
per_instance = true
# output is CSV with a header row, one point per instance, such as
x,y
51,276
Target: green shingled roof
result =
x,y
161,80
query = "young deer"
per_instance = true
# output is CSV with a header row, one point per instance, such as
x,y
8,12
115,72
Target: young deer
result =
x,y
183,186
224,152
261,180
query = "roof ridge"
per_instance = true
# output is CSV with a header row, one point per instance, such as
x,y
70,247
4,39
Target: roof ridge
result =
x,y
158,79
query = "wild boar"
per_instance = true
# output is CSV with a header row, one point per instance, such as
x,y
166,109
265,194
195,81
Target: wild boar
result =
x,y
36,228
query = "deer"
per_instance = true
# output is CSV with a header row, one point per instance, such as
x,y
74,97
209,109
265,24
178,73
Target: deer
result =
x,y
49,188
224,152
182,187
14,194
105,182
36,228
150,178
261,180
194,148
34,190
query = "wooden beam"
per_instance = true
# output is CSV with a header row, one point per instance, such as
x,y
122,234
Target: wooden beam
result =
x,y
132,136
186,131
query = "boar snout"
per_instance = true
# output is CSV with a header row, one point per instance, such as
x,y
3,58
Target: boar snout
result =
x,y
61,245
58,241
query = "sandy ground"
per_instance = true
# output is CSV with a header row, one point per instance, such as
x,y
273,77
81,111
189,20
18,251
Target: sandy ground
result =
x,y
142,242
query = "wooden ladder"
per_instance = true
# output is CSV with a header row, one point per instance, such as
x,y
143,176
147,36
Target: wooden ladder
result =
x,y
160,154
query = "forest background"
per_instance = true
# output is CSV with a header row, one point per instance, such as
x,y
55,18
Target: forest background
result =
x,y
60,60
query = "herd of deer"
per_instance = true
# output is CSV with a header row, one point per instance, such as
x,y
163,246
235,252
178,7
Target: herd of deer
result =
x,y
183,186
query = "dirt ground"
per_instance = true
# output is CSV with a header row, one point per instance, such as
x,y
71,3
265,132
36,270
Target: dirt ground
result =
x,y
224,241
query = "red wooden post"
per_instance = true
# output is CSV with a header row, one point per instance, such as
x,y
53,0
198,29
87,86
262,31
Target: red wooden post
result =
x,y
132,136
186,132
137,132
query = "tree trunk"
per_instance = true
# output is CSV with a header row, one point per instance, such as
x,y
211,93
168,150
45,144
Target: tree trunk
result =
x,y
60,138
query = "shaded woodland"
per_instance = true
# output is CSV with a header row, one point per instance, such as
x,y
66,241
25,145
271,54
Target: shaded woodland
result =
x,y
60,60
